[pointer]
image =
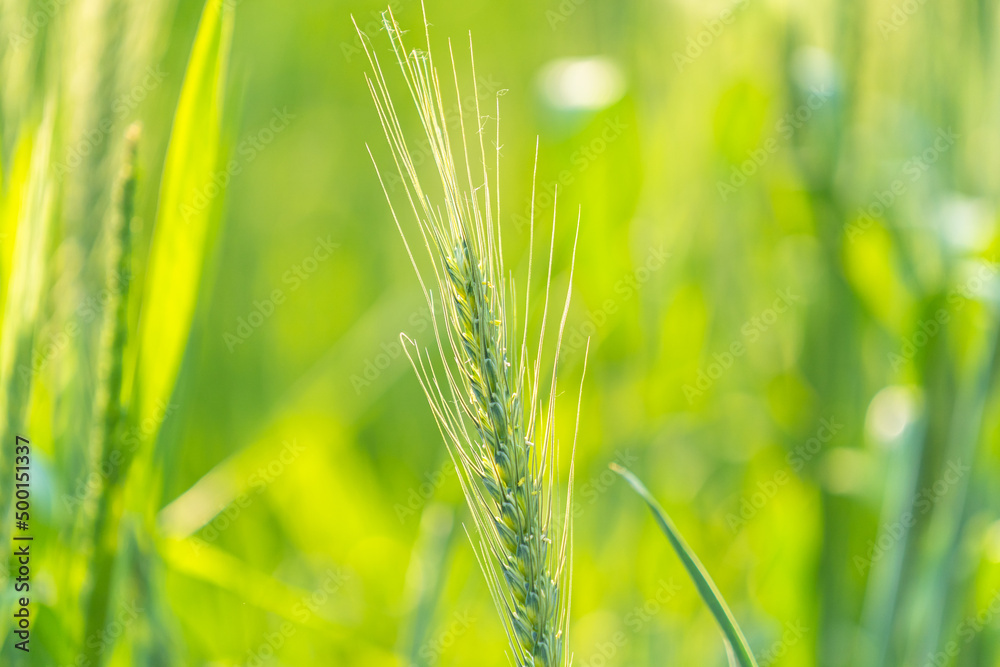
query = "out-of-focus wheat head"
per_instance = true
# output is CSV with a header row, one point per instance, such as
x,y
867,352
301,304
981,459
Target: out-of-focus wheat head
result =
x,y
499,431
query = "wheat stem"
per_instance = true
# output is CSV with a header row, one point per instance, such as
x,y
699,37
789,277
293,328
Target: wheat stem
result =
x,y
109,411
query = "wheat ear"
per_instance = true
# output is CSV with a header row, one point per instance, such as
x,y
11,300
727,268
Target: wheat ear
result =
x,y
490,412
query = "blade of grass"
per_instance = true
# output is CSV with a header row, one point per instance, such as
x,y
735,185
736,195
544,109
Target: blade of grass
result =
x,y
186,227
885,578
938,565
183,232
730,656
187,214
425,578
204,562
737,643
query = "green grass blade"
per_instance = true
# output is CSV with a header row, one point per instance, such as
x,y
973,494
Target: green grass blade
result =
x,y
730,655
187,214
706,587
182,234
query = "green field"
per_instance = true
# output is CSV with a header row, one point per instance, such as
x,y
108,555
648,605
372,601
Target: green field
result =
x,y
786,274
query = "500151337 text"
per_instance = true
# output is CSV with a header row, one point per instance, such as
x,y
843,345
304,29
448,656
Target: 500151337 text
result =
x,y
22,551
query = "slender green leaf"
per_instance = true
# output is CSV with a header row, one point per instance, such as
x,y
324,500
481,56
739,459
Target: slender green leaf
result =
x,y
187,214
699,575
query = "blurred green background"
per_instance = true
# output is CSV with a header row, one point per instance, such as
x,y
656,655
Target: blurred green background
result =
x,y
786,268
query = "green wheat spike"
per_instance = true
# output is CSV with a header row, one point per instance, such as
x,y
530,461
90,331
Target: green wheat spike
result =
x,y
499,434
109,409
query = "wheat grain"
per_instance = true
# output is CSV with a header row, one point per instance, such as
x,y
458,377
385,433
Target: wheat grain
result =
x,y
490,412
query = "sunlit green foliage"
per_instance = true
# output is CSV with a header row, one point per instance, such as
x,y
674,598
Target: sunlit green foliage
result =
x,y
786,269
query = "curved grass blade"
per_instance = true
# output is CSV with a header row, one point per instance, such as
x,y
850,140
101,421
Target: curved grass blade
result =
x,y
737,643
187,217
